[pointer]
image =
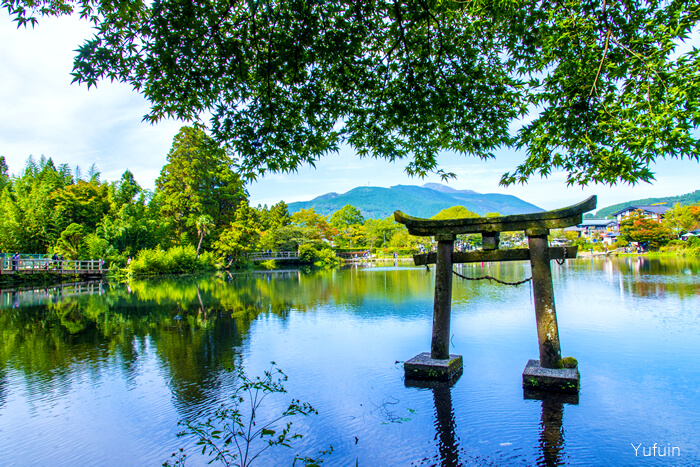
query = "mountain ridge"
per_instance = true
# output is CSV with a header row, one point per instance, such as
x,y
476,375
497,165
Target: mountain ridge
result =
x,y
418,201
684,200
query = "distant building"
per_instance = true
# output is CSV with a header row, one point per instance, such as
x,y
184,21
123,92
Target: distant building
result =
x,y
655,212
692,233
597,229
599,225
608,230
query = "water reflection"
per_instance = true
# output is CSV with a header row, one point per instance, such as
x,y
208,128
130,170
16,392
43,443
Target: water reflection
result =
x,y
155,351
445,428
3,384
31,296
551,424
551,438
651,277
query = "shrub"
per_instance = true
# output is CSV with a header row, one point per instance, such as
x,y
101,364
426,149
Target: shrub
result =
x,y
317,254
176,260
307,253
326,257
620,243
236,435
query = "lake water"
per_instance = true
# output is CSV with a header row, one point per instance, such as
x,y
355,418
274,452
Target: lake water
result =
x,y
101,374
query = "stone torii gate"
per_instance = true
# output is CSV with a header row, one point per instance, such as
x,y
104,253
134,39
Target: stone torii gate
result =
x,y
549,370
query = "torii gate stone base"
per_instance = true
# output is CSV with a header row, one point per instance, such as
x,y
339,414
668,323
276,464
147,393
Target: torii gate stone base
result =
x,y
550,371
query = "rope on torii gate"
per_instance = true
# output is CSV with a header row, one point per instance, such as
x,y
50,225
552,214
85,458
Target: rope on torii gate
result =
x,y
491,278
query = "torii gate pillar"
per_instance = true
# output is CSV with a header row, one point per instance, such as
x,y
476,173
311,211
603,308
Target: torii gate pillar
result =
x,y
439,364
442,305
543,292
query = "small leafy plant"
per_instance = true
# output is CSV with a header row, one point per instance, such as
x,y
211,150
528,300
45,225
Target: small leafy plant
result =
x,y
231,438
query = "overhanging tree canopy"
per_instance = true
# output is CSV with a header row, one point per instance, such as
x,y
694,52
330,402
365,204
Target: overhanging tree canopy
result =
x,y
595,88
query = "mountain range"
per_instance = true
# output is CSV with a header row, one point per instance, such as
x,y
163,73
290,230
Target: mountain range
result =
x,y
418,201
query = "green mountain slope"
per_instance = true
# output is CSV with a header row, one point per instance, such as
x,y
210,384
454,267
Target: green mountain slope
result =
x,y
418,201
684,200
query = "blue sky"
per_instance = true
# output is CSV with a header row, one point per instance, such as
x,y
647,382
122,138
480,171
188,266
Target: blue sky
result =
x,y
43,114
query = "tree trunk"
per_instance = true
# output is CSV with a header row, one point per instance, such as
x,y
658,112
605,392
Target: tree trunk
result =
x,y
199,245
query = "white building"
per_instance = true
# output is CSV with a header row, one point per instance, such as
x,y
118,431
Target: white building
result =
x,y
655,212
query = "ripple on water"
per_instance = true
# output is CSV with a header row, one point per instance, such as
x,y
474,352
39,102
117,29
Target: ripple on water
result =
x,y
636,341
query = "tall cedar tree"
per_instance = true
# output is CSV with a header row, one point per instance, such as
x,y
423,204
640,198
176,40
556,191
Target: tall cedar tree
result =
x,y
198,181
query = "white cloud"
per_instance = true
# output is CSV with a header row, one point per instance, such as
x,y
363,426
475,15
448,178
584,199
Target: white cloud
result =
x,y
43,114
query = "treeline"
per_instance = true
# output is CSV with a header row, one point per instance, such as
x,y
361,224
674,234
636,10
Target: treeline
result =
x,y
198,216
54,209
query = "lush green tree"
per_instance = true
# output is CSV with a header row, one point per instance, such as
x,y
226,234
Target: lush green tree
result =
x,y
402,239
277,216
198,180
84,203
380,231
310,219
241,236
607,84
124,191
639,228
346,223
70,243
455,212
93,174
135,226
36,207
681,219
346,216
28,220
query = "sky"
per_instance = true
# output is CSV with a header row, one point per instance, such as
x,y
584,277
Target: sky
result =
x,y
42,113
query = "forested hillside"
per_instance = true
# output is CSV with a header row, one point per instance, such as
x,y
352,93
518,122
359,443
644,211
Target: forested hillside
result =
x,y
684,200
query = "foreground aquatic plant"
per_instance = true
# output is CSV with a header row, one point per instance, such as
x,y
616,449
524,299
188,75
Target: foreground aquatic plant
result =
x,y
234,439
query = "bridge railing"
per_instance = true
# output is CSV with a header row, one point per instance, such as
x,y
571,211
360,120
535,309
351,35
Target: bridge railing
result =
x,y
266,255
47,264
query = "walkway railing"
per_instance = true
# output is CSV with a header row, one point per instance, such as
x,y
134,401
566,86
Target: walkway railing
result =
x,y
65,266
268,255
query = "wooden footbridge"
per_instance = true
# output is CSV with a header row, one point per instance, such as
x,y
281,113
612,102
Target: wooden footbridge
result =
x,y
34,265
273,255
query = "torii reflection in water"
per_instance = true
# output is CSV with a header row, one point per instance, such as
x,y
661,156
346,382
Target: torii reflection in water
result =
x,y
551,440
444,417
552,423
